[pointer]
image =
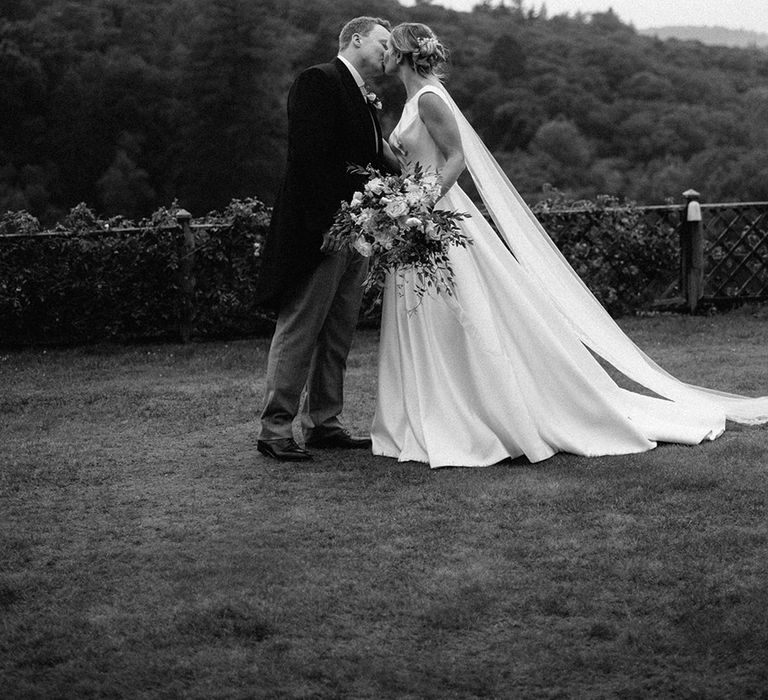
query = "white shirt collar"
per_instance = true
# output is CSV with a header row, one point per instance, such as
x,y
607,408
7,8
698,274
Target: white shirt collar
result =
x,y
358,78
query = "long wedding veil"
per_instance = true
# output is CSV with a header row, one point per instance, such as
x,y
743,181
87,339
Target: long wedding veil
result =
x,y
537,253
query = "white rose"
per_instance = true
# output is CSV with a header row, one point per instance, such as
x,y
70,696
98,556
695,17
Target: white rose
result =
x,y
375,186
357,200
362,246
396,209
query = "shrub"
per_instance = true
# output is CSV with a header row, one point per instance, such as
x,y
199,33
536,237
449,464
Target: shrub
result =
x,y
226,267
625,258
115,279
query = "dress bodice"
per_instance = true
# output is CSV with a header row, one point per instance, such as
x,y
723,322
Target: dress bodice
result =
x,y
410,140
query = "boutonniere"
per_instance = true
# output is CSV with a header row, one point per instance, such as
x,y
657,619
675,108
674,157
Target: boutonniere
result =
x,y
373,99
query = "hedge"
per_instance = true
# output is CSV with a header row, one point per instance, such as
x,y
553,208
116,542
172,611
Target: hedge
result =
x,y
626,258
113,279
94,279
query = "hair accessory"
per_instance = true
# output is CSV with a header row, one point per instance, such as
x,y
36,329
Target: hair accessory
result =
x,y
427,45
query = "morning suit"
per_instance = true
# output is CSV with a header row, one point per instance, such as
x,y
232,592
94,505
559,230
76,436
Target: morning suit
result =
x,y
317,295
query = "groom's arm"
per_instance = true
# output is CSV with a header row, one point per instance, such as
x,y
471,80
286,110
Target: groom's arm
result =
x,y
313,115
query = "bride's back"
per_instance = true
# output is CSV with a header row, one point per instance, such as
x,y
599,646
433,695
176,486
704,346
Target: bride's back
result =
x,y
411,140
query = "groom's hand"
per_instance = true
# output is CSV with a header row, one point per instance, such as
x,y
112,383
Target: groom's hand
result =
x,y
331,245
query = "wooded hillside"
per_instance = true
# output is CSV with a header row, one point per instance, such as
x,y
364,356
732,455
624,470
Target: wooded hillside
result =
x,y
129,104
716,36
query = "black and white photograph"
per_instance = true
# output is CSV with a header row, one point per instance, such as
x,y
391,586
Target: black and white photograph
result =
x,y
381,349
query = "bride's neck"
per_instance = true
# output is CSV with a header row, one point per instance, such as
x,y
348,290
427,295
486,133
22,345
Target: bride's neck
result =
x,y
413,82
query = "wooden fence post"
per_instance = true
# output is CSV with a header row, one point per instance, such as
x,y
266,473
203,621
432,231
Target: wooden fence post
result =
x,y
692,251
186,279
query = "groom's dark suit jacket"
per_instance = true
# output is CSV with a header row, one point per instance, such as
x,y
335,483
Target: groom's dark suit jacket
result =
x,y
329,126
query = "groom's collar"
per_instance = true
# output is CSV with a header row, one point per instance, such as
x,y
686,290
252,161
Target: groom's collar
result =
x,y
355,74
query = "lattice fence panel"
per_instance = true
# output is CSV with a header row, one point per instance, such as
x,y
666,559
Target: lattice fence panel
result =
x,y
665,221
735,251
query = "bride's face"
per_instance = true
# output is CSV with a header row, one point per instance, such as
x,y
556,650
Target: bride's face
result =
x,y
391,58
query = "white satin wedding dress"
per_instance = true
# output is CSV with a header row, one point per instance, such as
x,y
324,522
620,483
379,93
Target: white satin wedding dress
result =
x,y
502,368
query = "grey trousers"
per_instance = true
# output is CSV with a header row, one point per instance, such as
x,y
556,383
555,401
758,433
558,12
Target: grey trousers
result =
x,y
313,335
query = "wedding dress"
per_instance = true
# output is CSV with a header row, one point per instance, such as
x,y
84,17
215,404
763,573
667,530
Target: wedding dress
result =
x,y
507,367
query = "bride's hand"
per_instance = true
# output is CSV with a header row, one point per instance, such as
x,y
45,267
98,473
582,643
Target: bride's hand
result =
x,y
443,188
433,199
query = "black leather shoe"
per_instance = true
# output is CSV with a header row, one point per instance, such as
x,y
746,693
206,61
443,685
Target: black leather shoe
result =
x,y
340,439
284,450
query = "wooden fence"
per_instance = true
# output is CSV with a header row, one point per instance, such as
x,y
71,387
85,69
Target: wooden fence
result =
x,y
182,230
723,253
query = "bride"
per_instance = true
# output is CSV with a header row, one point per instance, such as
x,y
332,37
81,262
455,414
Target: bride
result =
x,y
507,367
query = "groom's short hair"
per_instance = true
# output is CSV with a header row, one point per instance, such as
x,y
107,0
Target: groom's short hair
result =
x,y
359,25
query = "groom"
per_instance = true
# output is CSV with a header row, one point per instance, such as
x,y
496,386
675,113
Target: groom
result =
x,y
315,287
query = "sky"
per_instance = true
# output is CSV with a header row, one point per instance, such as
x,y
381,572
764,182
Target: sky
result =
x,y
734,14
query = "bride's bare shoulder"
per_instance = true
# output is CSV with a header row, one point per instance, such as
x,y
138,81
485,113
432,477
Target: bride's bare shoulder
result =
x,y
433,106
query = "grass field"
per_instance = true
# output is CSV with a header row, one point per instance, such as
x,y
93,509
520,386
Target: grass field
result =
x,y
148,551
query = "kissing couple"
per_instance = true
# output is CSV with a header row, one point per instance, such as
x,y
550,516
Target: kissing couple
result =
x,y
504,367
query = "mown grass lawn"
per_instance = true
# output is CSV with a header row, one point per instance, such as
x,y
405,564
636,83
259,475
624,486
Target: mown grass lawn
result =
x,y
147,550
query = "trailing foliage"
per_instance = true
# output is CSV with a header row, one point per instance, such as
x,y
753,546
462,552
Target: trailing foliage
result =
x,y
113,279
624,259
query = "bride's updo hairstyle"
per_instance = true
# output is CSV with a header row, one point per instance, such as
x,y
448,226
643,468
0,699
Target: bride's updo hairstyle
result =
x,y
420,48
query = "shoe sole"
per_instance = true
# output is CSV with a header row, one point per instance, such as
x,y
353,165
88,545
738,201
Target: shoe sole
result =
x,y
331,446
297,458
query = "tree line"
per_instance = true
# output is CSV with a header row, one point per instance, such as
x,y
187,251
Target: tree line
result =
x,y
127,105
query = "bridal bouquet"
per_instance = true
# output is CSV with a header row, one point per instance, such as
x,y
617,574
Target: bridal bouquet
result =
x,y
393,221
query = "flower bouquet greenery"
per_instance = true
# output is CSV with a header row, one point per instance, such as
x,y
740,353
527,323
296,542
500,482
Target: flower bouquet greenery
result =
x,y
393,220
